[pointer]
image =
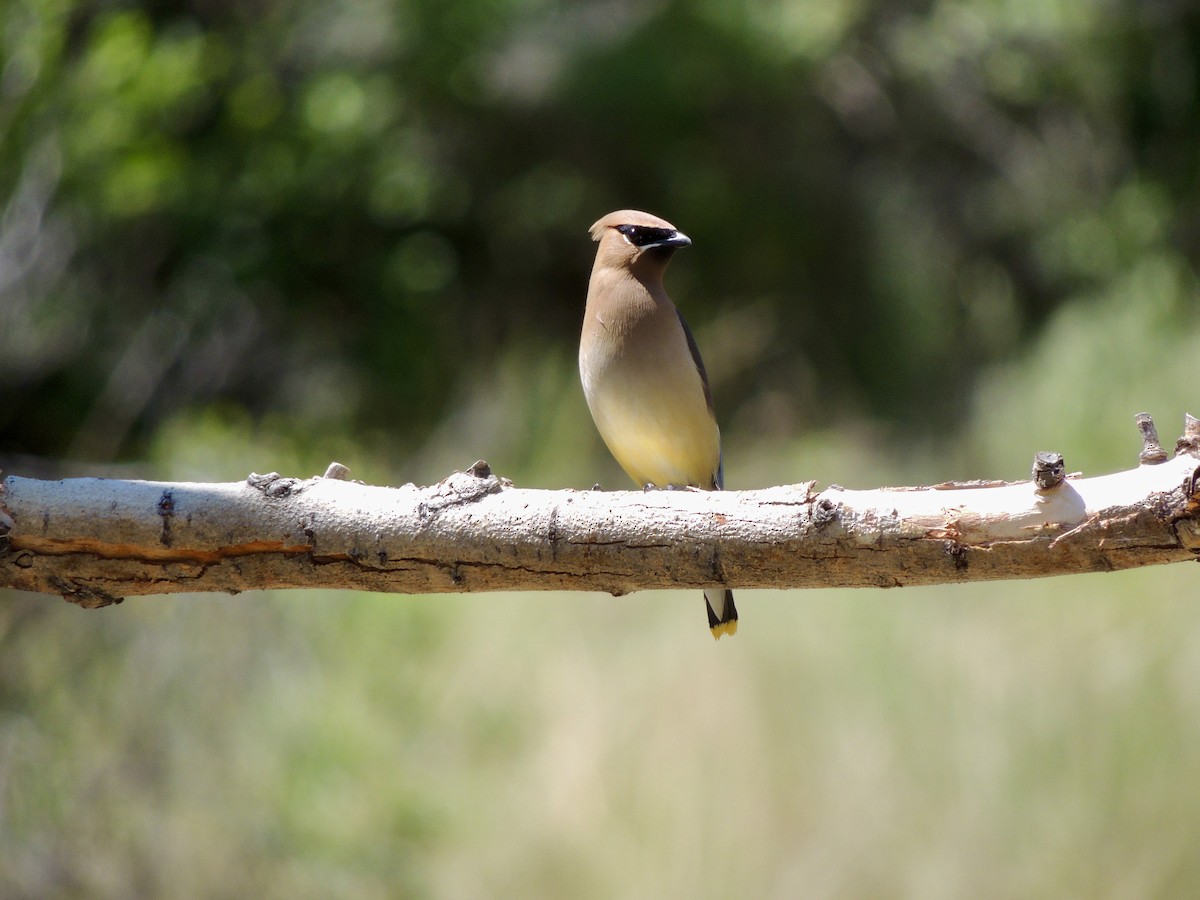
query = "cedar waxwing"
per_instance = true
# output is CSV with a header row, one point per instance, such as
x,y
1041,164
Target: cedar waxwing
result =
x,y
642,374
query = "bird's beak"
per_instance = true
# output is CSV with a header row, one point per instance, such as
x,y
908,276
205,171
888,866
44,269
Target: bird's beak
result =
x,y
676,239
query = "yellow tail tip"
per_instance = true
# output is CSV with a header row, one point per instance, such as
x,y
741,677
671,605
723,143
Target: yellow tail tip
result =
x,y
719,631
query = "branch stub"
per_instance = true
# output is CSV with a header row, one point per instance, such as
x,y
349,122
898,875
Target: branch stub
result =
x,y
1152,451
1190,442
335,471
1048,469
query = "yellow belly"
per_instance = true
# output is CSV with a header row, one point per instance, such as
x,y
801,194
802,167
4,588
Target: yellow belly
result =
x,y
659,432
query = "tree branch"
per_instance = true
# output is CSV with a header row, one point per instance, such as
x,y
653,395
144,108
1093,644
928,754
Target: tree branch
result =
x,y
95,541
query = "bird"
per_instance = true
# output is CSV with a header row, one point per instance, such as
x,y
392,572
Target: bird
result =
x,y
642,374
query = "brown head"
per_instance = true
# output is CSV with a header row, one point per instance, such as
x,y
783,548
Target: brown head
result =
x,y
636,241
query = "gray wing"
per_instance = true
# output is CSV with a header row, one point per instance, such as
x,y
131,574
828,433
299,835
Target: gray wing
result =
x,y
719,475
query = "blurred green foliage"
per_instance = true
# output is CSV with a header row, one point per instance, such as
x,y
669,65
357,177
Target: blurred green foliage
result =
x,y
930,239
347,213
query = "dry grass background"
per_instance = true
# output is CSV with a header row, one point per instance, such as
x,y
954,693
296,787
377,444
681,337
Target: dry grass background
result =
x,y
1034,739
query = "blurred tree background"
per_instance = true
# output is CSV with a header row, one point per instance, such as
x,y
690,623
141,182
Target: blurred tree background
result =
x,y
930,239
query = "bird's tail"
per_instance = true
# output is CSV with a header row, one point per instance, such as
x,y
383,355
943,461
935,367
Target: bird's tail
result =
x,y
722,614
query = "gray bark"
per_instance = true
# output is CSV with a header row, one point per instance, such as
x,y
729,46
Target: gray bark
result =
x,y
95,541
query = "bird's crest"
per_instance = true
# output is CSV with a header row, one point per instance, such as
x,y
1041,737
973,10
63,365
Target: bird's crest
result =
x,y
627,217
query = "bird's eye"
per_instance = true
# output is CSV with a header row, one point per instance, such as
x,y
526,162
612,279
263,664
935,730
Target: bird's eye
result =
x,y
641,235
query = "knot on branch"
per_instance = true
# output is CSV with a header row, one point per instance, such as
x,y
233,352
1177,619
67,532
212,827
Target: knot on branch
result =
x,y
460,488
86,596
166,509
824,511
958,553
274,486
480,469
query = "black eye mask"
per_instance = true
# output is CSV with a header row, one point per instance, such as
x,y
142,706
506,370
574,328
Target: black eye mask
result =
x,y
642,235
